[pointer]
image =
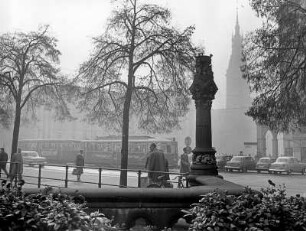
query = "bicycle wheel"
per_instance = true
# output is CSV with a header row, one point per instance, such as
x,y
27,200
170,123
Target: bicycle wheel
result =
x,y
153,186
180,184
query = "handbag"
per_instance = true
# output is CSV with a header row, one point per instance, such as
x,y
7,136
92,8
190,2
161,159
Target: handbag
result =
x,y
75,171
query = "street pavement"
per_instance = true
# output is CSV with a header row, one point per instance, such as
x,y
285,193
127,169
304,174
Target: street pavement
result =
x,y
55,176
294,183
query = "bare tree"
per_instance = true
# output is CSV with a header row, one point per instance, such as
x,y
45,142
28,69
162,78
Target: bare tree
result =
x,y
29,76
140,66
275,64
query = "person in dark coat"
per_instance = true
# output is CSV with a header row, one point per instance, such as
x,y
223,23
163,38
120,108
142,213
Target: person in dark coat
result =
x,y
156,164
79,162
16,167
185,165
3,161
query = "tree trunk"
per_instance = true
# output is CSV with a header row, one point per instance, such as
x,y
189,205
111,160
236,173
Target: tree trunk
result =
x,y
126,112
125,138
16,128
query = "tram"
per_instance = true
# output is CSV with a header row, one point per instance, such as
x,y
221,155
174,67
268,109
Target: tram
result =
x,y
103,152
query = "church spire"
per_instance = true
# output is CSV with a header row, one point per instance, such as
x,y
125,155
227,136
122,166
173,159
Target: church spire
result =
x,y
237,91
237,27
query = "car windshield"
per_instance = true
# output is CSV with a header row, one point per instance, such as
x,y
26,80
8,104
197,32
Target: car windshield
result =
x,y
264,160
30,154
236,158
282,160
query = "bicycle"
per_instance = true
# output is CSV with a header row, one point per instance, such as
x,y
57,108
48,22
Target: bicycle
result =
x,y
180,181
163,183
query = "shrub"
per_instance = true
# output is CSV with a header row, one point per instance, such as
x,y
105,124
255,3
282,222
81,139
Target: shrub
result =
x,y
266,210
49,210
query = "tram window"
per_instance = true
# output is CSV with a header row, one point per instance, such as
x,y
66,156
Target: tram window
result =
x,y
109,148
168,148
117,147
104,147
135,148
144,148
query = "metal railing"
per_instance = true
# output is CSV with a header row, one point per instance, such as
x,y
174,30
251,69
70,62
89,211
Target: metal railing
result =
x,y
40,179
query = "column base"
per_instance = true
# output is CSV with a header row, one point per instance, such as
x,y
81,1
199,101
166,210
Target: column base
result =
x,y
203,163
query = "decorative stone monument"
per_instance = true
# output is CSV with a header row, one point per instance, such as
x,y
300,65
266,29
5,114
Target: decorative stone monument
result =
x,y
203,90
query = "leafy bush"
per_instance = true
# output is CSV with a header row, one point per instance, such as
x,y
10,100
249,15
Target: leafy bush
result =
x,y
49,210
267,210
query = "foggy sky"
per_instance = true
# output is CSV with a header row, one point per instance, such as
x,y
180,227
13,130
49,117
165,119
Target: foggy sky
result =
x,y
75,22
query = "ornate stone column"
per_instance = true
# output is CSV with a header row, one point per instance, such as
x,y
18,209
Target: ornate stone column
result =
x,y
203,90
274,144
261,140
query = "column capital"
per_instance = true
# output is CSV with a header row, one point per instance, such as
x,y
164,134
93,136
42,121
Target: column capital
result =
x,y
203,86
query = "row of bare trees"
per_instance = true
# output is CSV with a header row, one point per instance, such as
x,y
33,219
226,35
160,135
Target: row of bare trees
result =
x,y
141,66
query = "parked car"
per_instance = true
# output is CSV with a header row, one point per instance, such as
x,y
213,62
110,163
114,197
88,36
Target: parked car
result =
x,y
32,158
287,164
264,163
222,160
240,163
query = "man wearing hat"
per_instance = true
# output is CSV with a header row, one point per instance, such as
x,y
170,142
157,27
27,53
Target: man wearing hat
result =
x,y
156,164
